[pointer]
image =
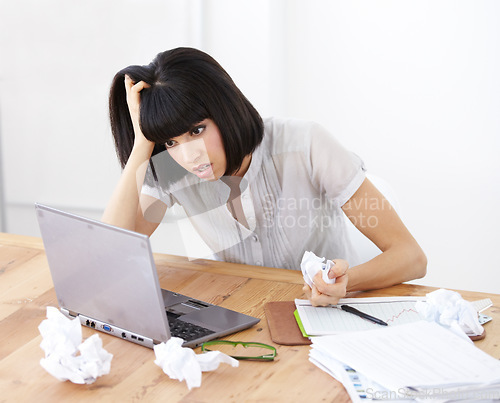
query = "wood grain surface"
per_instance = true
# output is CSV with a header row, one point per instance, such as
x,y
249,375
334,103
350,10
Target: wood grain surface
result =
x,y
26,290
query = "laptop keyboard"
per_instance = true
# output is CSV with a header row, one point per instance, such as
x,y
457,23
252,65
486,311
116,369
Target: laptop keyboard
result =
x,y
185,330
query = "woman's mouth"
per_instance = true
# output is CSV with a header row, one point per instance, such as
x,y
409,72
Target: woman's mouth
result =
x,y
203,171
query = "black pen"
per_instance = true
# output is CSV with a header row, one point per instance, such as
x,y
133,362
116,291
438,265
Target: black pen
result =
x,y
363,315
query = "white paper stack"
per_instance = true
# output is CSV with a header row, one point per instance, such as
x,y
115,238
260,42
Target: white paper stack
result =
x,y
419,360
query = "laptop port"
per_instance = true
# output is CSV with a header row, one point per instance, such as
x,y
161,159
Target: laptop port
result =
x,y
140,339
134,337
107,328
92,325
124,335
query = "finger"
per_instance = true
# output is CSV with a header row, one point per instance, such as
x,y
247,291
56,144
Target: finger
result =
x,y
320,284
319,299
140,86
133,94
306,290
338,288
131,86
318,278
314,296
338,269
342,280
128,83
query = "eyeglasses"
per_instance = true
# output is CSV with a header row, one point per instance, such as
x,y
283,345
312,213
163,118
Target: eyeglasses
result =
x,y
257,350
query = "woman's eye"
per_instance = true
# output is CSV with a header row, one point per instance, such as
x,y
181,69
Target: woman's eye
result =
x,y
197,130
170,143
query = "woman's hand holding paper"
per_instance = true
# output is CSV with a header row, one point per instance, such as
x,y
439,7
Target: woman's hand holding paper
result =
x,y
321,293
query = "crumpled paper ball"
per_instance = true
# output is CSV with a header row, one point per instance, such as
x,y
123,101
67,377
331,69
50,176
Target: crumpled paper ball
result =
x,y
450,310
62,340
311,264
183,363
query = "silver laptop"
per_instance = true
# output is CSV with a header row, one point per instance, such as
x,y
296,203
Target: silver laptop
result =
x,y
106,276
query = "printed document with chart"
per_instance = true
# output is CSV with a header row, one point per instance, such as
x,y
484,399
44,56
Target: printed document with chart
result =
x,y
408,360
418,361
327,320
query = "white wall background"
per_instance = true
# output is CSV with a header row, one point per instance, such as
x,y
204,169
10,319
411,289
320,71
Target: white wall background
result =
x,y
411,86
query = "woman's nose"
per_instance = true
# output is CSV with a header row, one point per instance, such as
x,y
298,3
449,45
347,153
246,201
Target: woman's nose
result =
x,y
192,150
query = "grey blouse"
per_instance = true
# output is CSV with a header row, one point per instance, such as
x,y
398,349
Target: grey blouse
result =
x,y
299,178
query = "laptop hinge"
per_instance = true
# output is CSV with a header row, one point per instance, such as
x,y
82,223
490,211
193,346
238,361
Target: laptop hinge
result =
x,y
68,313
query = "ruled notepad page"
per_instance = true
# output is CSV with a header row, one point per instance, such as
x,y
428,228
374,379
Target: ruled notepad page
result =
x,y
332,320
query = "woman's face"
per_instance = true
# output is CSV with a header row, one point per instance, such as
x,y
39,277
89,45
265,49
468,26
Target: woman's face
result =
x,y
200,151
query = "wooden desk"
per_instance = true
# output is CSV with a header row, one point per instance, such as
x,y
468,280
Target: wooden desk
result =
x,y
26,290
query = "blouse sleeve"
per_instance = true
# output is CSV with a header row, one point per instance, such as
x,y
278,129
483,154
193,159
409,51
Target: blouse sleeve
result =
x,y
334,170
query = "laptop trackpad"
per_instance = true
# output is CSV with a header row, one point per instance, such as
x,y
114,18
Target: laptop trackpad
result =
x,y
216,318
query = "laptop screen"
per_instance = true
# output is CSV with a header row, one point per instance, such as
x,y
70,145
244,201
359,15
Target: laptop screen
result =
x,y
103,272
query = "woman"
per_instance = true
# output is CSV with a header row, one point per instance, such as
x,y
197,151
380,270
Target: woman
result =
x,y
258,192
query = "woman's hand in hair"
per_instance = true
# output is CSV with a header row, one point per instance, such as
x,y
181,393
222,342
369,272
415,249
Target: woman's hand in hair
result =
x,y
133,102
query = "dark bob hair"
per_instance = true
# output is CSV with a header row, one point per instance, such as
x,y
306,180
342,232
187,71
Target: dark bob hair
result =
x,y
186,87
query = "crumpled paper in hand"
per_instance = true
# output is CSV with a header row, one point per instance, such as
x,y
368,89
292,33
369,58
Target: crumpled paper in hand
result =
x,y
450,310
311,264
183,363
62,339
